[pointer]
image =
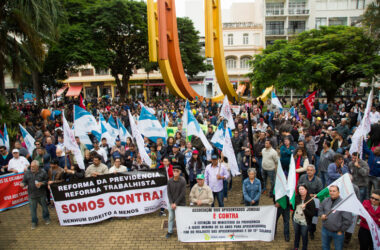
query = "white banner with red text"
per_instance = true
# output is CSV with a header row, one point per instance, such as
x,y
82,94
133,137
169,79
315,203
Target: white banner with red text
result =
x,y
12,195
95,199
206,224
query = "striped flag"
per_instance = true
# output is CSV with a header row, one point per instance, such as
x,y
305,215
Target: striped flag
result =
x,y
28,139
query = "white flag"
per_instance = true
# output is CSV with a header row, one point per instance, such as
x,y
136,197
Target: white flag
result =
x,y
363,129
70,143
228,151
275,100
280,187
292,182
352,204
28,139
139,140
227,114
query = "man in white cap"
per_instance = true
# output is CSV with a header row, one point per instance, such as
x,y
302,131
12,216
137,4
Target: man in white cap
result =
x,y
17,164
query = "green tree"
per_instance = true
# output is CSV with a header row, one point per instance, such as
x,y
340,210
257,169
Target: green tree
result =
x,y
371,18
24,26
326,58
190,47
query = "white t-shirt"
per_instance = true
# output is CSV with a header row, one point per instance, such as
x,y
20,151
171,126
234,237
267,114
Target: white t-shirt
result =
x,y
101,152
120,169
374,117
18,164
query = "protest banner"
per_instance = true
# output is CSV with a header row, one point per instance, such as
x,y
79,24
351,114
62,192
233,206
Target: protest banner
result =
x,y
95,199
207,224
12,195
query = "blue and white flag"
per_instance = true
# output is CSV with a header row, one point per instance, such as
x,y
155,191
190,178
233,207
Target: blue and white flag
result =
x,y
218,137
4,139
84,123
150,127
113,130
105,133
275,100
150,110
123,133
139,140
28,139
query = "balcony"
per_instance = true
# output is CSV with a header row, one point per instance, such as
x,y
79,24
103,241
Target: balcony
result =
x,y
274,12
298,11
275,32
295,31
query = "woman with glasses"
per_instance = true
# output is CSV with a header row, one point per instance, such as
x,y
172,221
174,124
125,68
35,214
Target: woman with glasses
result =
x,y
372,207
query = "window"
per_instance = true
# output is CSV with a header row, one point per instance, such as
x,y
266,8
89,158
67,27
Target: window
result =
x,y
256,39
275,28
231,63
337,21
355,21
357,4
71,73
244,62
87,72
274,9
320,21
101,72
296,27
230,39
297,8
245,39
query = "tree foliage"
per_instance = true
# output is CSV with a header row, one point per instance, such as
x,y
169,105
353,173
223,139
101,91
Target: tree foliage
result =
x,y
326,58
371,19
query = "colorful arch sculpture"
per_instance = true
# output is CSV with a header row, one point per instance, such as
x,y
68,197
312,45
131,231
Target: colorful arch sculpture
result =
x,y
164,42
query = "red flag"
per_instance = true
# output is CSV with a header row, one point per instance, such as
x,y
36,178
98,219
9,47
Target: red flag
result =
x,y
309,103
81,102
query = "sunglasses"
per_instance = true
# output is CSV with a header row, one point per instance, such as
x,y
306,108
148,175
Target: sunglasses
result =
x,y
373,198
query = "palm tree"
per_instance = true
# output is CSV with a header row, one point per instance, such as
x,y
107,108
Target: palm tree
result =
x,y
24,27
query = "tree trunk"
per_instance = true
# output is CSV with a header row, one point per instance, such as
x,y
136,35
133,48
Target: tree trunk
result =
x,y
330,94
125,80
36,86
121,87
2,80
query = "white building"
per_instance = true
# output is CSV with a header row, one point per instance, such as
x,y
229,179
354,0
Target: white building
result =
x,y
286,18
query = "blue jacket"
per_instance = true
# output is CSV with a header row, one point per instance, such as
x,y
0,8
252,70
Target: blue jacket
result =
x,y
333,174
252,191
285,154
373,161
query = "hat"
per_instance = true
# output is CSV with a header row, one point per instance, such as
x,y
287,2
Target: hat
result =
x,y
319,118
214,157
195,152
200,177
176,145
15,151
176,166
117,139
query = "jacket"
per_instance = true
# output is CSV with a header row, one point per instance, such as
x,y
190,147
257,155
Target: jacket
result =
x,y
374,214
252,191
195,168
333,173
373,161
170,170
177,191
30,179
203,194
309,210
314,186
325,160
285,154
359,175
336,220
56,175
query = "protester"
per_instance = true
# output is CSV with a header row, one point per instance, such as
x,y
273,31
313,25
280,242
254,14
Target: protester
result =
x,y
100,151
326,158
17,164
215,173
35,179
5,157
75,173
176,196
359,170
334,223
336,169
117,167
302,216
195,167
269,163
201,194
374,166
118,151
97,168
251,189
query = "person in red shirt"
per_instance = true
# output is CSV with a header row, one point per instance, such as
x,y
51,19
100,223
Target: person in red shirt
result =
x,y
169,167
372,207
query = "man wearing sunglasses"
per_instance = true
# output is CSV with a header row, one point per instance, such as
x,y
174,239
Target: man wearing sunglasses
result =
x,y
372,206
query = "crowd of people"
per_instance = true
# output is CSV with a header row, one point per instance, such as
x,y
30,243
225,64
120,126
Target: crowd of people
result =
x,y
319,145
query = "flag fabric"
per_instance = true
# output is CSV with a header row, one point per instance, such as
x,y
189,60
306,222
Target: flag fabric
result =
x,y
28,139
81,102
292,182
139,140
218,137
226,113
113,130
105,133
149,126
84,123
123,133
292,111
363,129
151,110
345,188
228,151
70,143
280,187
5,138
351,204
309,103
275,100
184,117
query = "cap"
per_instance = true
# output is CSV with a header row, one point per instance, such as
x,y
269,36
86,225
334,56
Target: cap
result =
x,y
214,157
200,177
319,118
176,145
15,151
195,152
176,166
117,139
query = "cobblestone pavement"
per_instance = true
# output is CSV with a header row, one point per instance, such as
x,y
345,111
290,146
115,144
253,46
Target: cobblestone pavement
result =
x,y
140,232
